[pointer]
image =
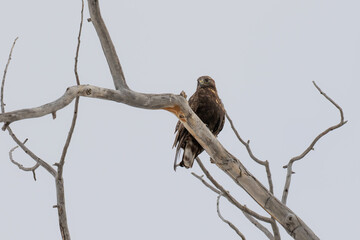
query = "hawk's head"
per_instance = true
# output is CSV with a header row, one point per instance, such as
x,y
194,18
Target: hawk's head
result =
x,y
206,82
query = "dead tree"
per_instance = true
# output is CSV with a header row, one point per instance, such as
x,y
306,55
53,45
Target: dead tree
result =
x,y
177,105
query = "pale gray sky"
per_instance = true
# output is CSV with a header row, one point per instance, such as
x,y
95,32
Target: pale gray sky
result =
x,y
118,176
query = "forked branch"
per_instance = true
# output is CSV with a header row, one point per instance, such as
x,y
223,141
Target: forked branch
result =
x,y
268,174
227,194
6,126
107,45
220,190
20,166
177,105
39,162
311,146
247,146
60,192
226,221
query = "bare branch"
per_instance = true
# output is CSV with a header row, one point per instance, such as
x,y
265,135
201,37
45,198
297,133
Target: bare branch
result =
x,y
275,229
227,194
76,107
170,102
20,166
206,183
268,174
68,139
78,44
60,196
333,102
226,221
179,106
31,154
311,146
107,45
235,131
259,226
60,193
247,145
4,76
245,209
6,125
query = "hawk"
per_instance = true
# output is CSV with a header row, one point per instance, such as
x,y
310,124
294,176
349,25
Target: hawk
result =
x,y
207,105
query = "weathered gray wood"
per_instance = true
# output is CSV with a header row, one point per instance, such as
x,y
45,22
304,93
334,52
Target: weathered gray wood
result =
x,y
139,100
223,159
107,45
60,196
179,106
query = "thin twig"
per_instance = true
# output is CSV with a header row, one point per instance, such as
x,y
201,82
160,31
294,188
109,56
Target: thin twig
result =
x,y
4,76
201,178
18,142
78,44
251,218
20,166
275,229
311,146
76,106
31,154
226,221
247,146
64,229
259,226
228,196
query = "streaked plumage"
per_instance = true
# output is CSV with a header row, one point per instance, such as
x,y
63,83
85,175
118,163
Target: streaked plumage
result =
x,y
206,103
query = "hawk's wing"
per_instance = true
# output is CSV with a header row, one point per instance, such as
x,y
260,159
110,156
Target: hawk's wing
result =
x,y
182,133
193,103
221,121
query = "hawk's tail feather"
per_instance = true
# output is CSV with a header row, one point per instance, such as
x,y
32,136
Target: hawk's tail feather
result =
x,y
177,154
188,157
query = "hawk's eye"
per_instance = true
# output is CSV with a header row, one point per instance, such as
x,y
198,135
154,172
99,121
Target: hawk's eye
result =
x,y
206,80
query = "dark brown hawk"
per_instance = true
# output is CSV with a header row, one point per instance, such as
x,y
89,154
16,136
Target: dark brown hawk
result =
x,y
208,107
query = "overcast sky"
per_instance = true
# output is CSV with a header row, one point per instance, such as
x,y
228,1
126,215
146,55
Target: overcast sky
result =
x,y
119,180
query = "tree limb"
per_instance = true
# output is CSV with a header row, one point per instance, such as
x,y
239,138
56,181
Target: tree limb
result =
x,y
247,146
275,229
76,107
223,159
228,196
6,124
251,215
173,103
311,146
20,166
31,154
4,76
201,178
177,105
107,45
259,226
226,221
60,193
267,169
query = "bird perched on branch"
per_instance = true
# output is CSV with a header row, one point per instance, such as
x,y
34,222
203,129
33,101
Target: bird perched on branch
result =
x,y
207,105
